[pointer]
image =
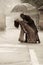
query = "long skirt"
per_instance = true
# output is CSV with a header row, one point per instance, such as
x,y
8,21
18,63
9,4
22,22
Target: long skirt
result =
x,y
21,37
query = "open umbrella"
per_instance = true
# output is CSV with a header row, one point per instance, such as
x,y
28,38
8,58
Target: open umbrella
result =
x,y
19,8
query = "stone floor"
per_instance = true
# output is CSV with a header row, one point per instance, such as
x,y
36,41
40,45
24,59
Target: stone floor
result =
x,y
12,52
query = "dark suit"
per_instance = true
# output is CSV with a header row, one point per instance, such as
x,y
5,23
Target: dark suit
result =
x,y
30,22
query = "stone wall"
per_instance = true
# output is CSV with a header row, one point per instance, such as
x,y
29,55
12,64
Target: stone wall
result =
x,y
41,20
2,22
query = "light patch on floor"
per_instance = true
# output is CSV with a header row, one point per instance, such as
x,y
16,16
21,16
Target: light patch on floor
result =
x,y
15,55
33,56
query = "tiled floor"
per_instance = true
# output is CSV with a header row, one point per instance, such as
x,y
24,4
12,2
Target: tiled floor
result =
x,y
12,52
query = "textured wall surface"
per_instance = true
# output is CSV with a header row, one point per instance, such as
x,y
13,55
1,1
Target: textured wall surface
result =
x,y
2,22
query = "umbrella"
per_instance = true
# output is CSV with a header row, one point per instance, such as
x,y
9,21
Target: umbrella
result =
x,y
19,8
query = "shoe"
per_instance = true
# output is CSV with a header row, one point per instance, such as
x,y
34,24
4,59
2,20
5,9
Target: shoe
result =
x,y
21,40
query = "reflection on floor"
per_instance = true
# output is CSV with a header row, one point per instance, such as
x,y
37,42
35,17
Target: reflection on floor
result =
x,y
12,52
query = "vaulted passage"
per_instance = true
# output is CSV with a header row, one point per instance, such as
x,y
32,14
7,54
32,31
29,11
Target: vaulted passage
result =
x,y
12,51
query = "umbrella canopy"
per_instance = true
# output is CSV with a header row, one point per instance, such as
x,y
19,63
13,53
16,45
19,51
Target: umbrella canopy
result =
x,y
19,8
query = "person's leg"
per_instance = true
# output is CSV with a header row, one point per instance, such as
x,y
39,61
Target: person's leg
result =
x,y
25,37
21,37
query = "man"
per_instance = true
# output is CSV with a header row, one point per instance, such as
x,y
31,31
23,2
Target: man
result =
x,y
31,23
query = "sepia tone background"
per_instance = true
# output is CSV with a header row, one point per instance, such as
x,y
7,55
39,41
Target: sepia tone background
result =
x,y
13,52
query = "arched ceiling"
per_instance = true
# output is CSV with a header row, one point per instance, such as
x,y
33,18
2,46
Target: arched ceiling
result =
x,y
36,3
7,5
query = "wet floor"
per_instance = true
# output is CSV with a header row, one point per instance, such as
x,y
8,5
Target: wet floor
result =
x,y
12,52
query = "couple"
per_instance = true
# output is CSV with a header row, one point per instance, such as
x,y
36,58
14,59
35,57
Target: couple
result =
x,y
29,28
